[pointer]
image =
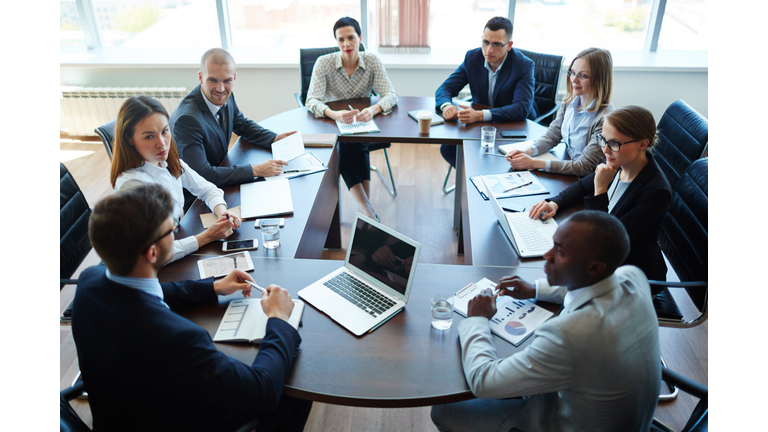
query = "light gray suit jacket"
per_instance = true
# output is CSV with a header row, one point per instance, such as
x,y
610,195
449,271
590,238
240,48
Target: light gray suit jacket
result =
x,y
591,156
594,367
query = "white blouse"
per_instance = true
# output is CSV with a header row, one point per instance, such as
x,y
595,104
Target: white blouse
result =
x,y
189,179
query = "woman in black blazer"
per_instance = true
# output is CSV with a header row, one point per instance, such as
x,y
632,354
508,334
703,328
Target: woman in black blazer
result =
x,y
629,185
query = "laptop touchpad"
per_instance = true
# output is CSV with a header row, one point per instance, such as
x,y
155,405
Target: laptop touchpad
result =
x,y
336,306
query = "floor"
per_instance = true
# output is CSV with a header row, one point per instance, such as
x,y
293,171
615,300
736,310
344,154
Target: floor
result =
x,y
422,211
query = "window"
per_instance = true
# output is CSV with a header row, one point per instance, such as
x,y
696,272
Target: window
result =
x,y
177,23
685,25
291,24
70,30
457,25
554,25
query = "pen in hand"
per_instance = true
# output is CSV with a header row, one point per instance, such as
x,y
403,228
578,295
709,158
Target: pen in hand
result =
x,y
519,186
352,109
253,284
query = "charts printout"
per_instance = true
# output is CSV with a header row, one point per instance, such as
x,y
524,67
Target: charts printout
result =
x,y
499,183
357,127
514,321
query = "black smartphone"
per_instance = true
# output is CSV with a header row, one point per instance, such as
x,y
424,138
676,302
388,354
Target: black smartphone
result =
x,y
514,134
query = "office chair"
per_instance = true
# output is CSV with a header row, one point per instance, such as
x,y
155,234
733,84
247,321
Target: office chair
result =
x,y
307,59
74,244
546,73
684,241
683,138
107,134
698,421
70,422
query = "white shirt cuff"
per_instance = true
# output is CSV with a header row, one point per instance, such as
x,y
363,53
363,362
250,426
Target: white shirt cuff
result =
x,y
442,107
487,116
546,168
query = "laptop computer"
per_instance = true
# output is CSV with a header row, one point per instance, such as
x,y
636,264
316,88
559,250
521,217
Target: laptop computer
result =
x,y
531,238
375,282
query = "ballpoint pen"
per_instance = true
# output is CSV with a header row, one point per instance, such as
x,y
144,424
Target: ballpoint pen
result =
x,y
497,155
253,284
352,109
518,186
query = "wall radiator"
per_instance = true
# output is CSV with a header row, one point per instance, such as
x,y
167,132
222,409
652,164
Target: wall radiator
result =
x,y
86,108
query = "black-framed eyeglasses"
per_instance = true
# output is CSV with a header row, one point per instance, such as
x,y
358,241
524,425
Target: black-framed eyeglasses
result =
x,y
175,229
572,74
613,144
494,44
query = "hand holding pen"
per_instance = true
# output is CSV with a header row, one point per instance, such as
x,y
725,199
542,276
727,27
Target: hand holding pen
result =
x,y
275,301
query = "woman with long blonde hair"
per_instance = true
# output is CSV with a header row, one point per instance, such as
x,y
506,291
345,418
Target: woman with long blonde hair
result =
x,y
144,152
579,119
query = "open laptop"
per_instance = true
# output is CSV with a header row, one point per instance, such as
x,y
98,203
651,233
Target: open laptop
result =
x,y
375,281
531,238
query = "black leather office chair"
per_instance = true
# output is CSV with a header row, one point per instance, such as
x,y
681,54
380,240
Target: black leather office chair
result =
x,y
107,134
69,421
546,72
684,241
683,138
74,244
698,421
307,59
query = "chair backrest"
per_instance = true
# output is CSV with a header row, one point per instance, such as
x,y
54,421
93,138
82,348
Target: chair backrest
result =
x,y
683,137
547,74
107,134
74,212
684,229
307,59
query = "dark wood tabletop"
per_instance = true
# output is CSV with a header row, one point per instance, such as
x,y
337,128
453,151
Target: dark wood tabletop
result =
x,y
403,363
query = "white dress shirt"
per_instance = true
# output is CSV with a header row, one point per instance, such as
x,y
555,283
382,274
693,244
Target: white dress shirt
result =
x,y
189,179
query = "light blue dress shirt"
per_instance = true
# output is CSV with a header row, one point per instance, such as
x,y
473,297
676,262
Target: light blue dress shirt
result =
x,y
487,116
149,286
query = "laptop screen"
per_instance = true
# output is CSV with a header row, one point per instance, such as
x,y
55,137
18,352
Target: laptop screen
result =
x,y
382,256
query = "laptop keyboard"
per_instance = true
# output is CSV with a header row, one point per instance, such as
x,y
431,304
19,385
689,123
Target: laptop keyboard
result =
x,y
529,231
359,294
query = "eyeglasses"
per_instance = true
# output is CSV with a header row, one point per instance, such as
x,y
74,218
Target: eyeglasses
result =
x,y
494,44
572,74
175,229
613,144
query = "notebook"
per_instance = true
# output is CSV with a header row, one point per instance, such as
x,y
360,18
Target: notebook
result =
x,y
357,127
530,237
523,146
245,321
375,282
265,198
436,119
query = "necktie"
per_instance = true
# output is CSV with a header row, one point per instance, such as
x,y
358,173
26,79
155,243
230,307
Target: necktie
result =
x,y
223,118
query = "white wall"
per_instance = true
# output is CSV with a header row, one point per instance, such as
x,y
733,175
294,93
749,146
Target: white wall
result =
x,y
262,92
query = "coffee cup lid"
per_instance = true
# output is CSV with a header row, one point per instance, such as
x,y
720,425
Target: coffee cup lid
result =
x,y
424,115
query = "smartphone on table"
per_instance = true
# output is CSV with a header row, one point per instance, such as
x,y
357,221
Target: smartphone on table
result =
x,y
238,245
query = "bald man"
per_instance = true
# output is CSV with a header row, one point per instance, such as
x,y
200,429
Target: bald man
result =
x,y
593,367
203,123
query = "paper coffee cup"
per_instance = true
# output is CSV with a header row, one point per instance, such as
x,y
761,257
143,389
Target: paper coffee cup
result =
x,y
425,121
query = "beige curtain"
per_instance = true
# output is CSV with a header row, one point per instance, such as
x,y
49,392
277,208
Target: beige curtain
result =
x,y
404,23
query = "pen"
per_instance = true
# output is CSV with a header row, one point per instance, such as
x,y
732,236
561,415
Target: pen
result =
x,y
352,109
295,171
256,286
518,186
497,155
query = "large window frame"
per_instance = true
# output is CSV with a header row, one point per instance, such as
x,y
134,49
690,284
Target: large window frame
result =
x,y
92,38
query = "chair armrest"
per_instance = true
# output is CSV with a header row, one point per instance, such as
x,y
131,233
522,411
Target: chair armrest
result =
x,y
689,386
298,99
68,282
678,284
547,114
76,390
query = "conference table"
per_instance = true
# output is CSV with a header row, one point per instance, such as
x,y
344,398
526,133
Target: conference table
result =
x,y
405,362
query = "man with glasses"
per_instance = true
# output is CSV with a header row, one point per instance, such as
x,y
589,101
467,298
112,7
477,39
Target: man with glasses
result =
x,y
498,76
147,368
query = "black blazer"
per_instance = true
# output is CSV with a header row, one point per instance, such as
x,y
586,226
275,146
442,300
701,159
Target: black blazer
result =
x,y
640,209
203,145
512,95
147,368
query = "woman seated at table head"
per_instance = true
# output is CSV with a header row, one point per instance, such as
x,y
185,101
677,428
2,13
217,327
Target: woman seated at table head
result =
x,y
144,152
578,120
629,185
350,74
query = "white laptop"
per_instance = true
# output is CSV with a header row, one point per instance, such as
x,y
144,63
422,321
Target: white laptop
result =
x,y
530,237
375,281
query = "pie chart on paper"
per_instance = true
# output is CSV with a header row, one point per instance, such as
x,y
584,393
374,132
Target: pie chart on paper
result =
x,y
515,328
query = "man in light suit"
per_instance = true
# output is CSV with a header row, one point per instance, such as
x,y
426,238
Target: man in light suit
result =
x,y
498,76
147,368
203,123
594,367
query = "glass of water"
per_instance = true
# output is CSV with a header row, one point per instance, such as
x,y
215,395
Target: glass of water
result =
x,y
270,235
487,136
442,311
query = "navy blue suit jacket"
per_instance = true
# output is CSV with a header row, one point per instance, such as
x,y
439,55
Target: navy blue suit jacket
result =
x,y
202,143
641,209
512,95
147,368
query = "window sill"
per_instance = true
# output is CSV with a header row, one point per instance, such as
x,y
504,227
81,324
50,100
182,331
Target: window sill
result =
x,y
248,57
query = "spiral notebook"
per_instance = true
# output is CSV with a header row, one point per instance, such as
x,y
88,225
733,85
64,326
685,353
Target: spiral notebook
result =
x,y
357,127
